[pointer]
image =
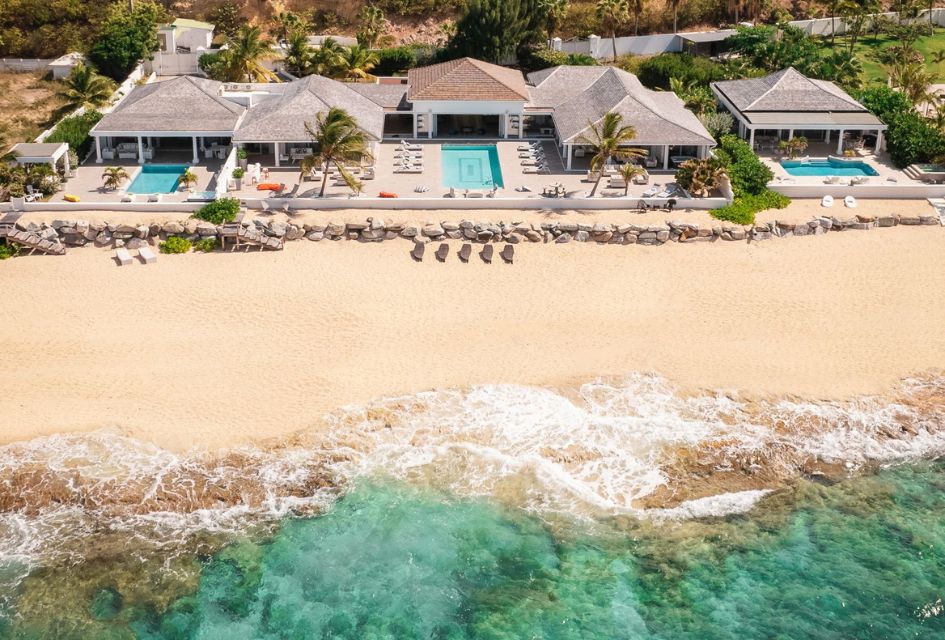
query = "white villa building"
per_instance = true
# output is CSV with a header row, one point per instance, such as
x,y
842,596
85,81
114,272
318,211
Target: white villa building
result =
x,y
788,102
463,99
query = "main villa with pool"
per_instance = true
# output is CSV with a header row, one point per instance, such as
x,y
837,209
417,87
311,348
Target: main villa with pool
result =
x,y
466,125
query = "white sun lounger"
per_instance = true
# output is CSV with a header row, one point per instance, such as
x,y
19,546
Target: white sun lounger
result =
x,y
147,256
123,257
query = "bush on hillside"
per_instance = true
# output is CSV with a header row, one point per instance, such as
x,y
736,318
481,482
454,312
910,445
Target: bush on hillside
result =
x,y
176,244
219,211
394,60
75,131
656,72
541,57
419,7
126,37
749,175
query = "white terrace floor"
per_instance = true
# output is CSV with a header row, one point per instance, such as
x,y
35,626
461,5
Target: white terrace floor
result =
x,y
88,180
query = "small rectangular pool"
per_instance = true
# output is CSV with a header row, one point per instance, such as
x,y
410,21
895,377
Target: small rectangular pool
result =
x,y
828,167
471,166
157,178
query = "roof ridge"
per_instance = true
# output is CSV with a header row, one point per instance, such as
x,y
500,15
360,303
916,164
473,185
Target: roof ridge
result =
x,y
781,75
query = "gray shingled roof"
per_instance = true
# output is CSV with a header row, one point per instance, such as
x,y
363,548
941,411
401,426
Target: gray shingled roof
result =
x,y
184,103
466,79
393,97
282,118
579,96
786,90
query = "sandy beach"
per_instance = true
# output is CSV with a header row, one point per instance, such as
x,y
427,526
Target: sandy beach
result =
x,y
224,349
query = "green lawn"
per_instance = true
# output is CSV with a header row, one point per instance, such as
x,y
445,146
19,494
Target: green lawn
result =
x,y
873,71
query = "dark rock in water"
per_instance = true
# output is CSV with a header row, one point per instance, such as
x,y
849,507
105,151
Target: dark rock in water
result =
x,y
106,604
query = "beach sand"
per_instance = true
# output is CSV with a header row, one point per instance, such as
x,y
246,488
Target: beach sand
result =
x,y
225,349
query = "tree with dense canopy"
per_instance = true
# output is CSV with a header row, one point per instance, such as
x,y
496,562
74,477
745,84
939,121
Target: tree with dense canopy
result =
x,y
338,142
494,30
371,26
126,36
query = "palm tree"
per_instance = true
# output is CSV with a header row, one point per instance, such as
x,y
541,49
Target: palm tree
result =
x,y
637,7
371,27
246,54
113,177
794,146
628,171
284,23
702,175
675,6
338,141
326,59
912,79
608,137
85,88
844,68
614,13
356,63
298,54
555,12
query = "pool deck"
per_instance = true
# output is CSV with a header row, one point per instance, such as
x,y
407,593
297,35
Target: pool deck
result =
x,y
881,163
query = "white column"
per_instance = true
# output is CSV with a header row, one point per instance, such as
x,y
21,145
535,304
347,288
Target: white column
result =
x,y
665,157
68,164
840,143
196,151
827,137
751,138
98,149
790,133
140,151
569,151
415,116
431,125
275,146
879,141
505,132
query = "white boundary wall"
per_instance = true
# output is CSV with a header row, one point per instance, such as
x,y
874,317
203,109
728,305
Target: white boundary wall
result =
x,y
603,48
23,65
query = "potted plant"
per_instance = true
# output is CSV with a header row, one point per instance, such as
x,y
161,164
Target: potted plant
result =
x,y
17,194
241,156
187,180
238,174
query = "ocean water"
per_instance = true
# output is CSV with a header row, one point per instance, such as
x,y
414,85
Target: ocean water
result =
x,y
616,509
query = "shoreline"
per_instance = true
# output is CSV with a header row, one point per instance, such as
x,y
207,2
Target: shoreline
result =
x,y
258,347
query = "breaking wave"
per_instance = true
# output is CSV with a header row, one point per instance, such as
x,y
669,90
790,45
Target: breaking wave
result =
x,y
608,447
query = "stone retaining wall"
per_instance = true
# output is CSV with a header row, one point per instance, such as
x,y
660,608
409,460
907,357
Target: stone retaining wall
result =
x,y
74,233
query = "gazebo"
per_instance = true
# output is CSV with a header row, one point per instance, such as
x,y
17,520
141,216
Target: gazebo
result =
x,y
790,101
42,153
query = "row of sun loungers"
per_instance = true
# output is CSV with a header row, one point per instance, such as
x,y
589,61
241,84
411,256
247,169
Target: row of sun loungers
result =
x,y
146,255
408,158
507,253
532,158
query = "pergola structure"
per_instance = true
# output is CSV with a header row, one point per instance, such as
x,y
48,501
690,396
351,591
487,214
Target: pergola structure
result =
x,y
790,101
42,153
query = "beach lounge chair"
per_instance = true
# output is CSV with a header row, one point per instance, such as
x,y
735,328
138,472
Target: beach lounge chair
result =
x,y
123,257
147,256
651,191
832,180
442,252
508,253
464,252
539,169
850,202
128,197
486,254
408,145
826,201
418,249
154,197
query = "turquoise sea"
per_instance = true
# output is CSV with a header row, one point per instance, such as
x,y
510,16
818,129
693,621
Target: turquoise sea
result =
x,y
835,553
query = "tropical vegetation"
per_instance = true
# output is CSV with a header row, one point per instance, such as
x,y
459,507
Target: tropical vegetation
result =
x,y
608,140
175,244
219,211
338,142
243,59
701,176
75,131
495,30
85,88
128,35
113,177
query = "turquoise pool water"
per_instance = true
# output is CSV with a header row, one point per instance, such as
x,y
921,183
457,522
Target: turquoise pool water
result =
x,y
157,178
471,167
828,167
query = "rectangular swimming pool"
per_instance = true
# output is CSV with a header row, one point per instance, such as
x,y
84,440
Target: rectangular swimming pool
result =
x,y
828,167
471,166
157,178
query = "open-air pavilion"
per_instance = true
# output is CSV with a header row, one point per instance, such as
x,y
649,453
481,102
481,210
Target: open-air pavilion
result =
x,y
181,114
788,102
51,153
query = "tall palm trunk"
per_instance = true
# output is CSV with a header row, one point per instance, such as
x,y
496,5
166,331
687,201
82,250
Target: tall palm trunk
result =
x,y
321,193
613,39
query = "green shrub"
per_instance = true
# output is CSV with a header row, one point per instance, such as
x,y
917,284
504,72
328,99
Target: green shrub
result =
x,y
394,60
125,37
176,244
717,123
219,211
419,7
749,175
75,131
8,251
885,102
911,138
538,58
206,245
655,72
743,210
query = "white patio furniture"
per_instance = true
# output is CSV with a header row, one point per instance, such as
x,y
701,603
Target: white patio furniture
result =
x,y
128,197
123,257
147,256
154,197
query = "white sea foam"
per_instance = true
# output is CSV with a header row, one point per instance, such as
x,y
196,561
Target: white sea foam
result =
x,y
596,451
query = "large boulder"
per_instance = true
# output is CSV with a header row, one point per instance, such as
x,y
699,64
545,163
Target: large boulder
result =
x,y
432,230
409,232
533,236
172,228
294,232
